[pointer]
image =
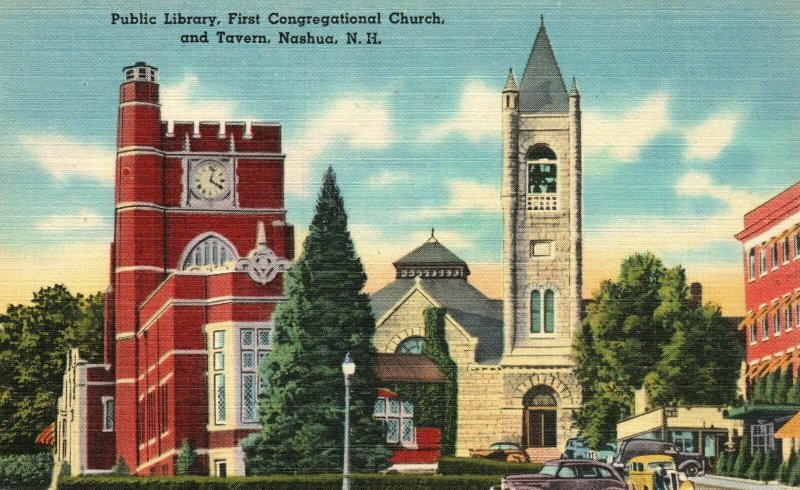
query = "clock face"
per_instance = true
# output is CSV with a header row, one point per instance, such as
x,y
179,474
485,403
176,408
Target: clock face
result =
x,y
210,180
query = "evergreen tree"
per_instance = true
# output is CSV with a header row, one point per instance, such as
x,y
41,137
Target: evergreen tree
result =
x,y
794,473
786,467
722,461
770,466
759,390
730,463
770,384
121,468
325,315
185,465
743,459
783,386
754,470
793,395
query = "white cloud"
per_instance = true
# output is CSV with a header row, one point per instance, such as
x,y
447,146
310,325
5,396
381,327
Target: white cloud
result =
x,y
63,157
623,136
464,196
363,123
388,177
183,102
84,220
620,237
707,140
478,115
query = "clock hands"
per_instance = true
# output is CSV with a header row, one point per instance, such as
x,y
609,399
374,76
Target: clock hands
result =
x,y
211,179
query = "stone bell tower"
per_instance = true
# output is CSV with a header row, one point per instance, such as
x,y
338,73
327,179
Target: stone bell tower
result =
x,y
541,196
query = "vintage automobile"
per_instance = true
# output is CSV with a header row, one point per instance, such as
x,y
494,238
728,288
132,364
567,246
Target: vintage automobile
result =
x,y
655,472
606,452
568,474
693,464
576,448
501,451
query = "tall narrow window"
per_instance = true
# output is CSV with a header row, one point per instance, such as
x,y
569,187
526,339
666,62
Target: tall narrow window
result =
x,y
774,255
542,178
797,246
754,333
763,260
785,250
219,398
752,262
777,323
549,311
108,414
255,347
536,311
764,329
788,318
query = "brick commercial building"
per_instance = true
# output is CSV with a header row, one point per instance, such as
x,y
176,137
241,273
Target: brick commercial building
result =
x,y
771,241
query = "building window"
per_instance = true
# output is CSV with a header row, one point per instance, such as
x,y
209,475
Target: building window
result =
x,y
108,413
221,468
542,178
254,345
752,262
411,345
753,333
763,261
762,437
774,256
764,329
541,248
789,318
542,311
162,422
397,417
219,398
797,246
786,250
777,323
208,252
219,339
539,418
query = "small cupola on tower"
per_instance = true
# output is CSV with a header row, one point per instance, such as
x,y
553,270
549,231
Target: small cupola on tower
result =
x,y
141,72
431,260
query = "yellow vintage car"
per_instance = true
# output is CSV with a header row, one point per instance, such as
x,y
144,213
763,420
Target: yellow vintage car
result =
x,y
655,472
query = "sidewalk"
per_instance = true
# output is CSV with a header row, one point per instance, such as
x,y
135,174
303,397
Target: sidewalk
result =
x,y
724,482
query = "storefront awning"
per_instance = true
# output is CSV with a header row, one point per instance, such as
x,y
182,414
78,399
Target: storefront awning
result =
x,y
790,428
47,436
765,411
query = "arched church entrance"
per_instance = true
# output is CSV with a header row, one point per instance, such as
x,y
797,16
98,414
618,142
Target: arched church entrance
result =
x,y
539,416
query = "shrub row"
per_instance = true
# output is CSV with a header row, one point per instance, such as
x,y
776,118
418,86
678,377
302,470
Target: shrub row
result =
x,y
26,470
283,482
479,466
761,466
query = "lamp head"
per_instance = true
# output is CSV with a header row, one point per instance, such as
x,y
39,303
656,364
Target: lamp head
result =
x,y
348,366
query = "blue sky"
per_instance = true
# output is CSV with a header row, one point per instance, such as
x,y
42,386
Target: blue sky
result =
x,y
690,119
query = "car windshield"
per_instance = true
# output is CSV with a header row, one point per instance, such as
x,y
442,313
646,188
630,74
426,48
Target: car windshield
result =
x,y
667,465
548,470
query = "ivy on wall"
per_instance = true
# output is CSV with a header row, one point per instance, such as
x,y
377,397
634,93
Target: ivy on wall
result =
x,y
436,348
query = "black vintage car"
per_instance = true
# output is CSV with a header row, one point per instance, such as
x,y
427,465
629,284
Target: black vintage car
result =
x,y
693,464
568,474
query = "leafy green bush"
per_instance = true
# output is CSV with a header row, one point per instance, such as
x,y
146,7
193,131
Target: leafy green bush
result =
x,y
26,470
372,481
742,459
480,466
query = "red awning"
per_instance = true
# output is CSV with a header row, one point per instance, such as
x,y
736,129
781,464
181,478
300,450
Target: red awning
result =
x,y
48,435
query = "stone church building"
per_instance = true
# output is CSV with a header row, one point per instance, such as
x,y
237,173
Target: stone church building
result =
x,y
515,369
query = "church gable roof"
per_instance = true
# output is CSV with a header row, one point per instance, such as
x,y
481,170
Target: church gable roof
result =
x,y
480,316
542,88
430,253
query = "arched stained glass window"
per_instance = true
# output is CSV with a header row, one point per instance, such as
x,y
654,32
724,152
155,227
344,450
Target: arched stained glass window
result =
x,y
411,345
208,252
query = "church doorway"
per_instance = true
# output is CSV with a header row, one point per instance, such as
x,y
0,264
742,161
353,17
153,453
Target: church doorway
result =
x,y
539,417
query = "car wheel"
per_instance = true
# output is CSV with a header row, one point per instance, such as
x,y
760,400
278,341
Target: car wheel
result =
x,y
691,470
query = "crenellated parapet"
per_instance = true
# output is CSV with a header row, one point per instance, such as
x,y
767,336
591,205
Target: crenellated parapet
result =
x,y
220,137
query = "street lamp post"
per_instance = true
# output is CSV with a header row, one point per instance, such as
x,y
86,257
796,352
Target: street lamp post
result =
x,y
348,368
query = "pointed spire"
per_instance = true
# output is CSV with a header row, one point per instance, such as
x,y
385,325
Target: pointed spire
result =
x,y
574,90
186,144
542,88
261,236
541,16
511,83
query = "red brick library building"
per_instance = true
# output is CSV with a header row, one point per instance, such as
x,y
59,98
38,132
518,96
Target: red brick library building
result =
x,y
200,245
